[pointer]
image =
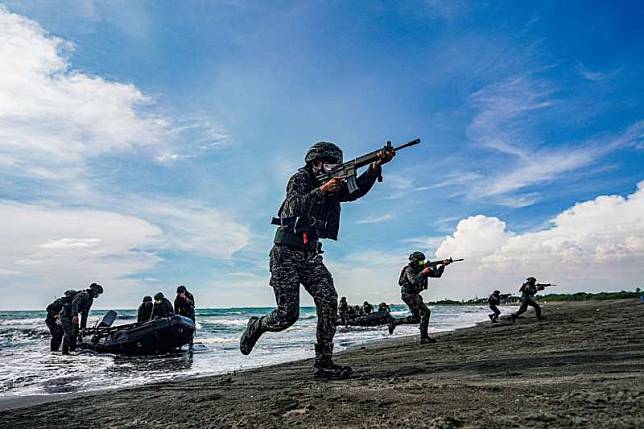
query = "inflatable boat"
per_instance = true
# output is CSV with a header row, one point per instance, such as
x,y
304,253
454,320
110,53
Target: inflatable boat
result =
x,y
374,319
146,338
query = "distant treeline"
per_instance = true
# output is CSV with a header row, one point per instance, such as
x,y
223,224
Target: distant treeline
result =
x,y
579,296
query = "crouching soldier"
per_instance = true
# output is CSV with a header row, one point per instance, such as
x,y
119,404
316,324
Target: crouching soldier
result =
x,y
494,300
413,280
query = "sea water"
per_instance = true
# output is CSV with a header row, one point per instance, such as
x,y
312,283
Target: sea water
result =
x,y
27,367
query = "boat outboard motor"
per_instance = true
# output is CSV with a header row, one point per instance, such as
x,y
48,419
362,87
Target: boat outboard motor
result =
x,y
108,319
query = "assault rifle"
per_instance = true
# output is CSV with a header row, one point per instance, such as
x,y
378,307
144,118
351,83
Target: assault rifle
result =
x,y
442,261
349,169
544,285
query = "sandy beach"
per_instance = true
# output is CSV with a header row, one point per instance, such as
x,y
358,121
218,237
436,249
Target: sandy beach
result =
x,y
581,367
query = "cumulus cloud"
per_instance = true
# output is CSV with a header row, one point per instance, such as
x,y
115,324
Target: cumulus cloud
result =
x,y
54,248
53,118
594,245
49,249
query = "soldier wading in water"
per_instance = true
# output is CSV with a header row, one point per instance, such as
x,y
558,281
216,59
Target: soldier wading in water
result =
x,y
310,212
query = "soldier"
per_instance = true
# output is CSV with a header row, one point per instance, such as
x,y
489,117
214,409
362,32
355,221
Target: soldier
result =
x,y
413,280
145,310
367,308
184,303
383,308
494,300
80,305
528,290
343,309
53,321
162,307
310,212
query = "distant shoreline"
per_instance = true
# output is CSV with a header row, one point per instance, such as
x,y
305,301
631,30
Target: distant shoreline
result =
x,y
553,297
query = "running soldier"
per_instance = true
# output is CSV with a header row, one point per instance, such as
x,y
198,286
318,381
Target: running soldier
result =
x,y
528,290
310,212
413,280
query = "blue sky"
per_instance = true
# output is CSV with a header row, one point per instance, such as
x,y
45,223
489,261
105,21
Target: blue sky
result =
x,y
155,140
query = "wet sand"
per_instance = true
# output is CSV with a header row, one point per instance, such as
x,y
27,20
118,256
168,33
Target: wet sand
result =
x,y
581,367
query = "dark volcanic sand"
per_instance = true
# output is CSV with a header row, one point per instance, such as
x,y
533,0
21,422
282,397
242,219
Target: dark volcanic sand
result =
x,y
582,367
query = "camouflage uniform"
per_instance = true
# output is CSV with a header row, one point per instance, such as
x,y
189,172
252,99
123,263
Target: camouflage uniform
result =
x,y
343,307
295,259
185,306
413,282
55,328
145,311
528,291
78,307
494,300
162,309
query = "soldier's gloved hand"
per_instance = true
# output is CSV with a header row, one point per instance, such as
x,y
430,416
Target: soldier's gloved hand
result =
x,y
447,261
75,320
384,156
332,186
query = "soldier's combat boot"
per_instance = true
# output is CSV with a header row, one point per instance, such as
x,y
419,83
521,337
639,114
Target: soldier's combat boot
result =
x,y
325,368
250,336
392,326
427,340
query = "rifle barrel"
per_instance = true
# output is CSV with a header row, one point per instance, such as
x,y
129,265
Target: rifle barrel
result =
x,y
411,143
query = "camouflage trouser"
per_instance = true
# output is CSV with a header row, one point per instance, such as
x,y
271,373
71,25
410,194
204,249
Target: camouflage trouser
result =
x,y
419,313
496,312
289,269
71,333
528,301
56,331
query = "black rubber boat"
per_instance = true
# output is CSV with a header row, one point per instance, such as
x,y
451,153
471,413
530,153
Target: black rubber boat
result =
x,y
147,338
374,319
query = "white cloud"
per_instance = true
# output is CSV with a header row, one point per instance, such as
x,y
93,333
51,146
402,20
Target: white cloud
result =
x,y
51,249
597,76
595,245
507,112
53,118
375,219
191,227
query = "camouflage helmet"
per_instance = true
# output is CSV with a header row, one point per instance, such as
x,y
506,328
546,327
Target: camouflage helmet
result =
x,y
159,296
497,292
96,288
147,299
182,289
417,257
324,150
531,280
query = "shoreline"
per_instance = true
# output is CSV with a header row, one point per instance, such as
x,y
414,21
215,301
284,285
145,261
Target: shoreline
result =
x,y
583,365
24,401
